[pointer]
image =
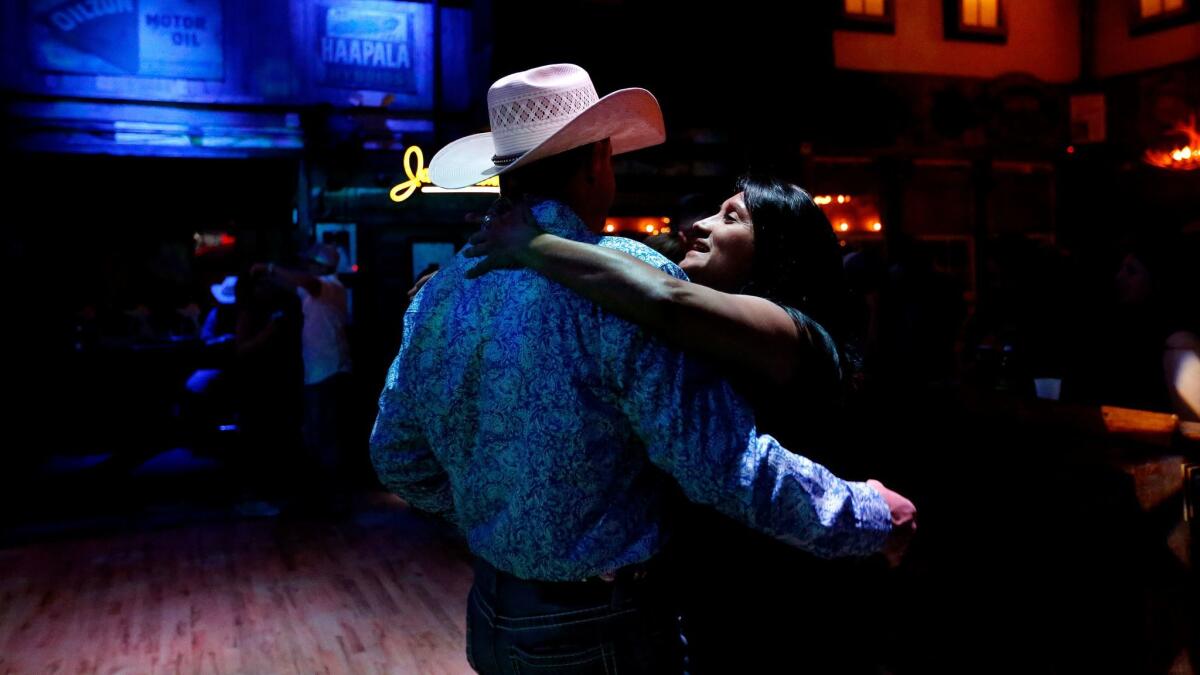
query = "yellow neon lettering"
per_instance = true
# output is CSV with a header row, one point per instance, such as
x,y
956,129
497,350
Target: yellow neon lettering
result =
x,y
418,174
415,175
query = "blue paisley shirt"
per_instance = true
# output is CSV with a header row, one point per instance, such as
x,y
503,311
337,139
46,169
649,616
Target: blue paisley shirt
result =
x,y
547,429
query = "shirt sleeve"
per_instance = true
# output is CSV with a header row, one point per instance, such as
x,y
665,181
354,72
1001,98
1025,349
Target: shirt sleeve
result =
x,y
698,429
400,452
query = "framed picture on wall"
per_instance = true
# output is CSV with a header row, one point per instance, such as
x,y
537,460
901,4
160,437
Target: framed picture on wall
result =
x,y
345,237
430,254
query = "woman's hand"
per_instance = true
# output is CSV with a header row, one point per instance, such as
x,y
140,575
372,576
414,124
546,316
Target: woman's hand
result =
x,y
412,292
504,240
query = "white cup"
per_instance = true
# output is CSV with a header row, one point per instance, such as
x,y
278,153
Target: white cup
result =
x,y
1048,387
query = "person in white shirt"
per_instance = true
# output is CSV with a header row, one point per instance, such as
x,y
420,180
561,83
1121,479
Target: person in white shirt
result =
x,y
326,351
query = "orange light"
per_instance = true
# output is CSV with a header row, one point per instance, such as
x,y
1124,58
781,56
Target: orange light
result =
x,y
841,199
1186,156
877,226
988,13
666,221
665,230
844,227
821,200
636,224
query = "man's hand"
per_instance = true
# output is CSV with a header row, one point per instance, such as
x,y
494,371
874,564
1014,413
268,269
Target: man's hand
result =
x,y
904,523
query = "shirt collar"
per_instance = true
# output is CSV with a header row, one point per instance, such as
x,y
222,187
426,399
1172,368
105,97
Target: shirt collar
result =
x,y
555,217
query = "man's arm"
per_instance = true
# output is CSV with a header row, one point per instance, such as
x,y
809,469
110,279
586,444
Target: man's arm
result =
x,y
701,432
289,278
400,451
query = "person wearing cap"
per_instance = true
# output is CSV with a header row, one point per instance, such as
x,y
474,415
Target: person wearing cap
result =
x,y
326,354
556,436
219,322
206,384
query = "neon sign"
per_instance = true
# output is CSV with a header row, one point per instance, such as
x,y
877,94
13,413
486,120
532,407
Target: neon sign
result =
x,y
418,176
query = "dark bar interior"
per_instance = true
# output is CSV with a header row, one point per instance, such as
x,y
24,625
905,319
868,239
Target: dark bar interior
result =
x,y
217,214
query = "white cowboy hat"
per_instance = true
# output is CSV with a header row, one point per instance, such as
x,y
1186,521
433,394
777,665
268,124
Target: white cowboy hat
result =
x,y
546,111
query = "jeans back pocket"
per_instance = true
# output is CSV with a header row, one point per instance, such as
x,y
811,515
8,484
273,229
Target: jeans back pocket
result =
x,y
593,661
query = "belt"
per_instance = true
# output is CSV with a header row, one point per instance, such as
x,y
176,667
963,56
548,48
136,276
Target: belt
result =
x,y
604,587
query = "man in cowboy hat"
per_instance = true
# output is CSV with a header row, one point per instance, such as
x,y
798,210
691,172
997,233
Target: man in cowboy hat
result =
x,y
555,435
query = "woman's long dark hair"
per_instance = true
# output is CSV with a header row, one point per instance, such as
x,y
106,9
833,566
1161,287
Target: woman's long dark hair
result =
x,y
797,258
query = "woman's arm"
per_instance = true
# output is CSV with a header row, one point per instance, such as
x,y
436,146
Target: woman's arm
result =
x,y
741,331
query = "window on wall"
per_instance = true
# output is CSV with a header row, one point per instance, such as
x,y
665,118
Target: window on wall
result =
x,y
1152,15
869,8
1157,9
868,15
981,20
980,13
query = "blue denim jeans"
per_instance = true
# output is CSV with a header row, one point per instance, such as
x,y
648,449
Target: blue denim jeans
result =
x,y
325,423
517,627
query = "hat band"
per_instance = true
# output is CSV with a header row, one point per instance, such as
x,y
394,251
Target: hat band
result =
x,y
505,160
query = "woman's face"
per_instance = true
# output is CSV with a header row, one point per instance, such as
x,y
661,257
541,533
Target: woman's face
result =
x,y
720,248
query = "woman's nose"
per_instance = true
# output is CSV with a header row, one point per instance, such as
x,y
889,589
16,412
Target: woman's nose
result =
x,y
698,228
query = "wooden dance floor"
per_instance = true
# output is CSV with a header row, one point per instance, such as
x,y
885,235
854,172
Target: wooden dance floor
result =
x,y
382,591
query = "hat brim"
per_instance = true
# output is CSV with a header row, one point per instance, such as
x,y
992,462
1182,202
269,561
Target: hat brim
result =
x,y
630,118
222,296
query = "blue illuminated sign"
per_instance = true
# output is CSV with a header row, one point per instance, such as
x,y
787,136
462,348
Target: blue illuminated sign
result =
x,y
369,46
146,38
